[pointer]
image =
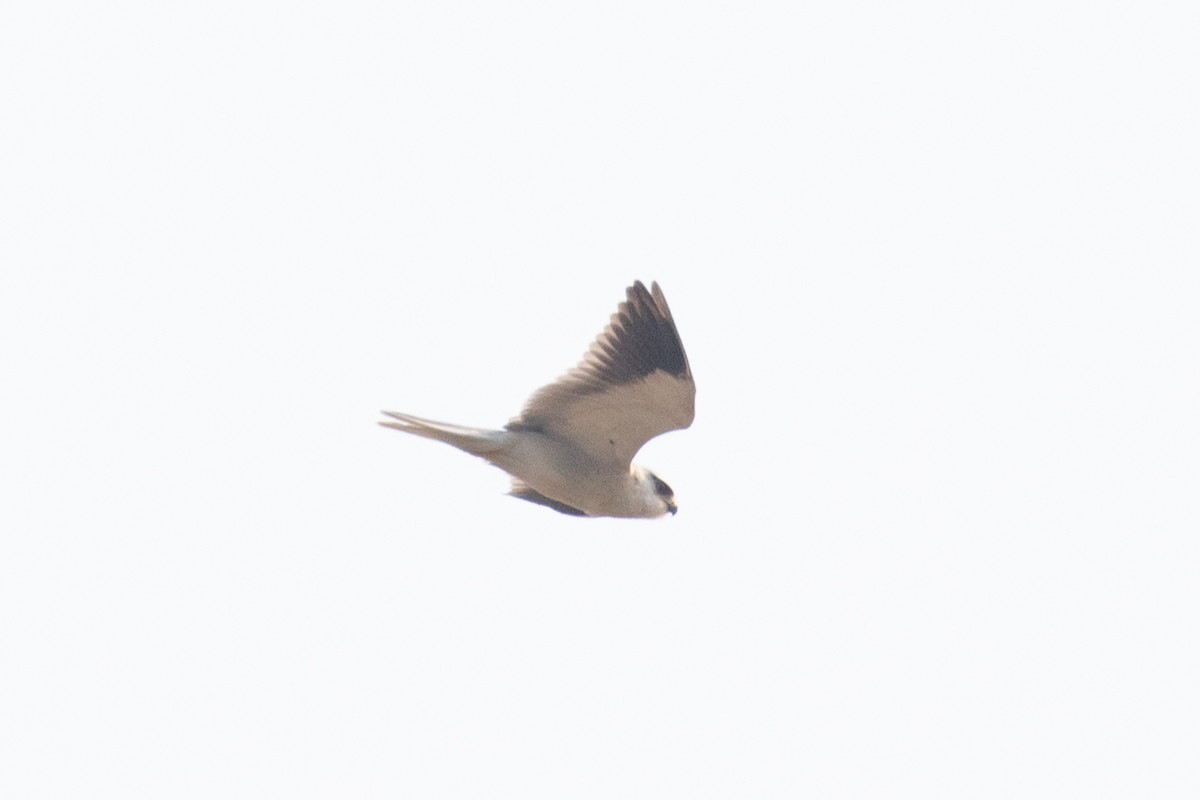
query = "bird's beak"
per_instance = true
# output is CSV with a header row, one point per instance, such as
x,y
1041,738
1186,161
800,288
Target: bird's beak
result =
x,y
672,507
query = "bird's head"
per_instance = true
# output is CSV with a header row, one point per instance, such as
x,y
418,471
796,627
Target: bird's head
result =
x,y
658,497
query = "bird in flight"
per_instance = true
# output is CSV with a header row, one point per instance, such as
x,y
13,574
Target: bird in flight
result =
x,y
571,448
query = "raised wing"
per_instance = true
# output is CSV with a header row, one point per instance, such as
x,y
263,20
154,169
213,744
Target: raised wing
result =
x,y
632,384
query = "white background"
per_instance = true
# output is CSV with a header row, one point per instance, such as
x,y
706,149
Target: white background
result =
x,y
937,271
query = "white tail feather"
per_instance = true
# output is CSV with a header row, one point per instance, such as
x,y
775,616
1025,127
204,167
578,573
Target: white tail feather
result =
x,y
477,441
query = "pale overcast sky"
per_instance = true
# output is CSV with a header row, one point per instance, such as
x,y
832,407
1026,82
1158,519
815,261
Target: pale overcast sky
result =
x,y
937,272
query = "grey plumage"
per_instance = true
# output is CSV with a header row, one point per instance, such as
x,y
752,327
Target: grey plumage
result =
x,y
571,446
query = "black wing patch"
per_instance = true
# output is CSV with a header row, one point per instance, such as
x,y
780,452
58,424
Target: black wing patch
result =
x,y
640,339
523,492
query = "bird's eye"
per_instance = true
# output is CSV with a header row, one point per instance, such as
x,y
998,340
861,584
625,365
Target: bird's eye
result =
x,y
660,486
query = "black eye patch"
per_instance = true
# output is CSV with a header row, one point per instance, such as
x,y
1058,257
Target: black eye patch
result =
x,y
661,487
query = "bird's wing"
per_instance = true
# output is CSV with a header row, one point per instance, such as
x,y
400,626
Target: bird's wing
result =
x,y
522,491
632,384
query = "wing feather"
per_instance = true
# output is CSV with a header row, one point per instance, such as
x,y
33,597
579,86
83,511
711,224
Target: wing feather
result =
x,y
633,384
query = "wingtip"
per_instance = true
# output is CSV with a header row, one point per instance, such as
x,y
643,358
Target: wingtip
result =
x,y
657,293
654,294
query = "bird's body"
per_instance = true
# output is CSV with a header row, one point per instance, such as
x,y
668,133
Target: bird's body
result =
x,y
572,445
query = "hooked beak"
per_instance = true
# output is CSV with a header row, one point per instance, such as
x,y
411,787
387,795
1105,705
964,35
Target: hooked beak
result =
x,y
672,507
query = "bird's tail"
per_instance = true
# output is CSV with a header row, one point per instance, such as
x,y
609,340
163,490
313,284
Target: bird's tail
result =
x,y
476,441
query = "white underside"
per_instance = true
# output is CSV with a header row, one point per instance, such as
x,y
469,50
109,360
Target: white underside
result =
x,y
550,466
